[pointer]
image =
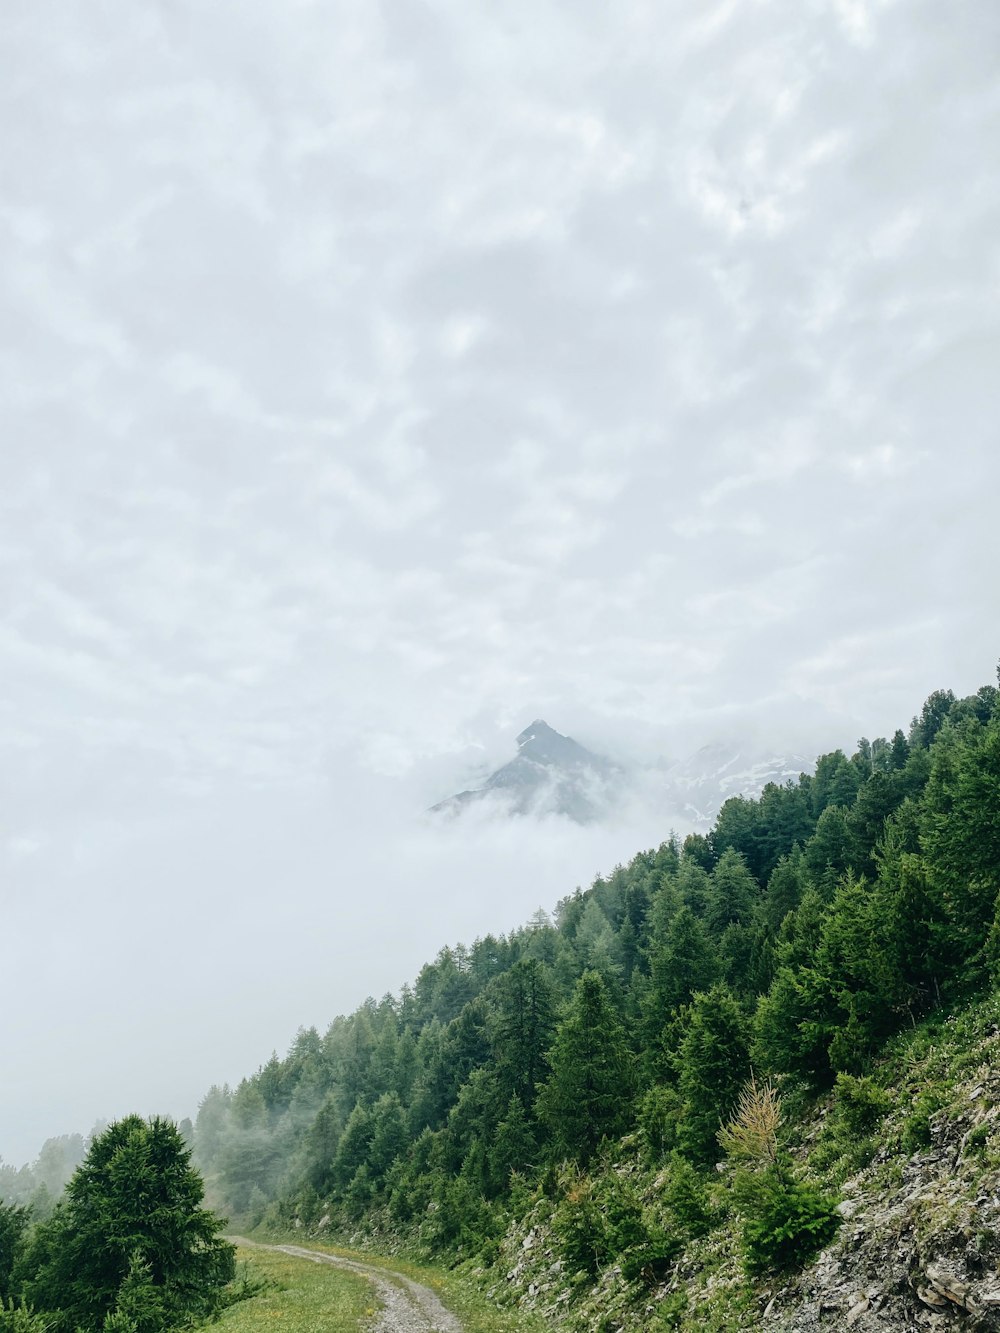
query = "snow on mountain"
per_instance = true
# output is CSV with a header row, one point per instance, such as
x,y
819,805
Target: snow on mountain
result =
x,y
697,787
550,774
554,774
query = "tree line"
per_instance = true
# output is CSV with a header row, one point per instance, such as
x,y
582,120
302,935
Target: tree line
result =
x,y
790,942
647,1025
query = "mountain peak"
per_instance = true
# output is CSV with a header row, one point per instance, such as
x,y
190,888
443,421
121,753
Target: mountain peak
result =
x,y
537,730
550,774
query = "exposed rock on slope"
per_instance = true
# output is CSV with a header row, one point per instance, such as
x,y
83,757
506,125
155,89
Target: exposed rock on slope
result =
x,y
920,1244
918,1248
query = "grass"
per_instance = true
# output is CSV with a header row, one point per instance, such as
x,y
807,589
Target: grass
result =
x,y
309,1296
457,1290
303,1297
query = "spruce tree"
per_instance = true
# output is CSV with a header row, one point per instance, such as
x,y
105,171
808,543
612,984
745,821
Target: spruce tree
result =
x,y
132,1217
589,1094
713,1064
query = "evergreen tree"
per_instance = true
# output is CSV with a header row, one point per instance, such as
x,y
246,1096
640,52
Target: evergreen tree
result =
x,y
682,962
784,891
388,1135
132,1207
588,1096
792,1026
830,847
960,838
321,1143
520,1029
835,782
713,1064
13,1228
512,1148
733,894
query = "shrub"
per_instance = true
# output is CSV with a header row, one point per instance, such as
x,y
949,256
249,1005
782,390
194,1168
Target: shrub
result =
x,y
785,1221
579,1227
977,1139
651,1258
659,1113
601,1220
916,1131
686,1198
861,1104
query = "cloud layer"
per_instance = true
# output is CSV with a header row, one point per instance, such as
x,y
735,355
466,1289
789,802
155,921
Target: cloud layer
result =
x,y
379,377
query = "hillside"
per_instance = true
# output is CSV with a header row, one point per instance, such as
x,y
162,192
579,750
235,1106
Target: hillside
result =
x,y
911,1151
547,1105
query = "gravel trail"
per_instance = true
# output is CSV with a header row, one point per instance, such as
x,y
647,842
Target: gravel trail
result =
x,y
407,1307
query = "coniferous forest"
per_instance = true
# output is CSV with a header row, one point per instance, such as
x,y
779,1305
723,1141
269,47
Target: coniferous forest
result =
x,y
636,1074
781,951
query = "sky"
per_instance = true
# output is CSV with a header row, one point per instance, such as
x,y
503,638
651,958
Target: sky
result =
x,y
377,376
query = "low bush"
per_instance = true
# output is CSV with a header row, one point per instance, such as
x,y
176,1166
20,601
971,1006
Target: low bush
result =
x,y
861,1104
785,1221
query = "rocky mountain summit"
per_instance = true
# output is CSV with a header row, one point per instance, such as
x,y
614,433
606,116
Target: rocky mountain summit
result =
x,y
550,774
554,774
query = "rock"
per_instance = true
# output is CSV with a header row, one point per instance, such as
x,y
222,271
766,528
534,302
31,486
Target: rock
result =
x,y
856,1311
947,1285
323,1222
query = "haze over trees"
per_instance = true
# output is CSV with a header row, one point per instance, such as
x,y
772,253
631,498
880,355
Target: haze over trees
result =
x,y
792,940
600,1062
129,1248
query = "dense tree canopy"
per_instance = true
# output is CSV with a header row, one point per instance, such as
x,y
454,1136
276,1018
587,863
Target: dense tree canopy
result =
x,y
798,934
132,1218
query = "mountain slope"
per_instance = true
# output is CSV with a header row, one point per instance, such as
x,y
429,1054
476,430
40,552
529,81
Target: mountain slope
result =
x,y
697,787
549,1103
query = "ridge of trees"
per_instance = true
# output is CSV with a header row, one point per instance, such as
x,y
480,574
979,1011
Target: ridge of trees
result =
x,y
793,939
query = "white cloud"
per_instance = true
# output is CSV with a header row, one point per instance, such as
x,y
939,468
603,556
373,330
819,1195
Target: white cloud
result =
x,y
378,377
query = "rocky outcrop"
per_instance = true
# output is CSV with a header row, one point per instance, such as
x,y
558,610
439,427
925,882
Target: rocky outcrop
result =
x,y
918,1248
920,1244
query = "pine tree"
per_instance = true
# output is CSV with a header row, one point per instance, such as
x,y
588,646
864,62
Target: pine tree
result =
x,y
713,1063
133,1204
588,1096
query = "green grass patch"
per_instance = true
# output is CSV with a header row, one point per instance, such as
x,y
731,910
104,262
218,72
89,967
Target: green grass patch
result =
x,y
301,1298
457,1290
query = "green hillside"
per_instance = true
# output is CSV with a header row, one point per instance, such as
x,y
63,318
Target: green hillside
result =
x,y
560,1091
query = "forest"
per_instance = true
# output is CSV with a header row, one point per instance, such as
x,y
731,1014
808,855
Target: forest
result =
x,y
603,1064
655,1012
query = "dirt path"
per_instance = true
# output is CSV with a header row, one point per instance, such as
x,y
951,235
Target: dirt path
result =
x,y
407,1307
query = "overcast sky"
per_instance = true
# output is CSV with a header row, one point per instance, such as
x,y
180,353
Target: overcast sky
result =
x,y
378,375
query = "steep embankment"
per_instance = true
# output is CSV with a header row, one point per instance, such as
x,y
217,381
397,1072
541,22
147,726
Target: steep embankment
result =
x,y
913,1153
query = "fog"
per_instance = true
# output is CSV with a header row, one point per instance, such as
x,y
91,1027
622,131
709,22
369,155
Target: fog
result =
x,y
179,953
377,378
